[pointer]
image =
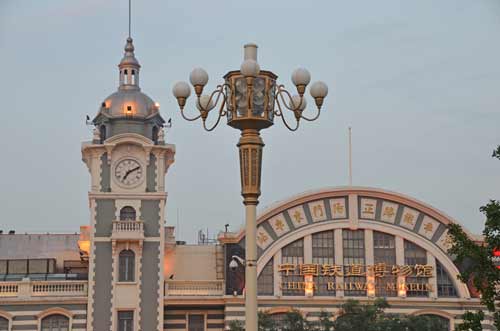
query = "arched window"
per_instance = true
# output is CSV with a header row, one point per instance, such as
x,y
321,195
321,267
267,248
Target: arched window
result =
x,y
126,266
125,320
445,285
4,324
265,282
133,77
439,323
55,323
155,135
415,255
102,133
384,251
323,252
293,254
127,213
354,253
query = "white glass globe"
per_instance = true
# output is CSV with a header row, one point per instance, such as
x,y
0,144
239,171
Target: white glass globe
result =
x,y
294,103
181,90
198,77
319,90
204,103
250,68
301,76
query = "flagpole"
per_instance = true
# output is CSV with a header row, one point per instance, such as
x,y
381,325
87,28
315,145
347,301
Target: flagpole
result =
x,y
350,157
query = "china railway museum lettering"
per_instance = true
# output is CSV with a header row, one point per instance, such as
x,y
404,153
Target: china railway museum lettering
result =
x,y
357,286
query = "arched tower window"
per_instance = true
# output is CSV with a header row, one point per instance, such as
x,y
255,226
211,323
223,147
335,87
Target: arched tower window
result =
x,y
126,266
102,133
127,213
55,322
154,135
4,324
125,320
133,77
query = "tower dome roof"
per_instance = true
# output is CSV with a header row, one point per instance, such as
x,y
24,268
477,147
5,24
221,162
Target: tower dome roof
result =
x,y
129,101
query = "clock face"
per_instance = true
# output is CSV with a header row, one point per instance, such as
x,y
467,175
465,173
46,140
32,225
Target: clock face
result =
x,y
128,172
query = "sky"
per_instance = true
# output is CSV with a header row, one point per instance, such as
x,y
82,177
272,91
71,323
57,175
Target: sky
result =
x,y
418,82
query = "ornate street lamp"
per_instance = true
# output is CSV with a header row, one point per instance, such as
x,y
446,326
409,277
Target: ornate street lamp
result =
x,y
250,98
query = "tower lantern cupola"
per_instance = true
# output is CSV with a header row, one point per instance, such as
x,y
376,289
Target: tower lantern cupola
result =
x,y
129,68
128,110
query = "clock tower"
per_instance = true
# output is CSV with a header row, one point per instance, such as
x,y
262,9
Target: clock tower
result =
x,y
127,160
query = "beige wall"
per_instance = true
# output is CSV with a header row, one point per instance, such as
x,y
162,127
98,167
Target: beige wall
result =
x,y
190,262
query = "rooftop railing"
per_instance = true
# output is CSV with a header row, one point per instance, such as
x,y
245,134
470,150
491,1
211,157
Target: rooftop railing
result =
x,y
28,288
194,288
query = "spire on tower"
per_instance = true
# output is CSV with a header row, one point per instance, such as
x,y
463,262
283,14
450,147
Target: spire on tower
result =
x,y
129,17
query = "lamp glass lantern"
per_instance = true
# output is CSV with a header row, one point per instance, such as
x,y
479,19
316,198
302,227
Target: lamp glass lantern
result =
x,y
250,106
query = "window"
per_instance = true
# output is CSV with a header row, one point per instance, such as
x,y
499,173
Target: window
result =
x,y
102,133
127,266
265,282
55,323
127,213
323,253
440,323
133,77
154,135
415,255
446,287
125,320
293,254
354,255
384,251
196,323
4,324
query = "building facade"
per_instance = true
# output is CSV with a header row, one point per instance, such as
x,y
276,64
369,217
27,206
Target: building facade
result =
x,y
125,271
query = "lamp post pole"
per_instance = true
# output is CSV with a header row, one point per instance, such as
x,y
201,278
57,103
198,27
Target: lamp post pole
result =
x,y
250,148
250,99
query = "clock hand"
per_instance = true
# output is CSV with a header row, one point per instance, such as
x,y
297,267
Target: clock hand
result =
x,y
130,171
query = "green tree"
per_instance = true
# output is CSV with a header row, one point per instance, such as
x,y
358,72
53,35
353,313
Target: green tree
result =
x,y
236,326
477,264
325,322
266,323
295,321
353,316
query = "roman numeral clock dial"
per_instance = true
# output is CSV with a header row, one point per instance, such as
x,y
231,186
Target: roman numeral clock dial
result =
x,y
128,172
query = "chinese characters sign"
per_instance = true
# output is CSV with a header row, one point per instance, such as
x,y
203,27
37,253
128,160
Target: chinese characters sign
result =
x,y
371,272
377,270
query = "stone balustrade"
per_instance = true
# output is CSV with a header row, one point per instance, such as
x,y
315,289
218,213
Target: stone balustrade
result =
x,y
128,230
194,288
27,288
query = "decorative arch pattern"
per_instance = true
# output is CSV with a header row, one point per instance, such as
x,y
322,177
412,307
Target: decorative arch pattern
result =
x,y
354,208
